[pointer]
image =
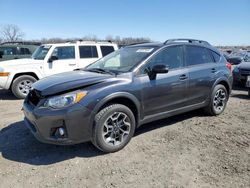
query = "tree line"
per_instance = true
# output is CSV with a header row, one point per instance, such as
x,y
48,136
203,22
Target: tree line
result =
x,y
12,33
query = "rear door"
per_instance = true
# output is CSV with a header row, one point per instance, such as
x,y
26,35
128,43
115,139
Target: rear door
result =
x,y
202,72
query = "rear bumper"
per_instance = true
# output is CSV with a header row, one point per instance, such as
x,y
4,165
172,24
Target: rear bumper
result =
x,y
43,121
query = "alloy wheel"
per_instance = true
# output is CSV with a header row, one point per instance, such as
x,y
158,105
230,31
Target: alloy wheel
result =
x,y
220,99
116,129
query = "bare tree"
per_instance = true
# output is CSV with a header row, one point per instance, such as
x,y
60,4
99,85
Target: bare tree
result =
x,y
11,33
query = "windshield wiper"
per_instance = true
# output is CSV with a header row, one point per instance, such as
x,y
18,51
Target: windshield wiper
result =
x,y
99,70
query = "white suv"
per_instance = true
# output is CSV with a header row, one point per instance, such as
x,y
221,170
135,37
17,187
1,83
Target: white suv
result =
x,y
18,75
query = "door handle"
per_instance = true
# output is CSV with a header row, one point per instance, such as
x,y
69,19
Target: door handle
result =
x,y
213,70
72,64
183,77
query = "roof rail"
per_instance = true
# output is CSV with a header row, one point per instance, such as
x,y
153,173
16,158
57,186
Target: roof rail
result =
x,y
135,43
188,40
90,41
22,42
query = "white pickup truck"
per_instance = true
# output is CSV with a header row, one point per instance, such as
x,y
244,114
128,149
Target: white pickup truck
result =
x,y
18,75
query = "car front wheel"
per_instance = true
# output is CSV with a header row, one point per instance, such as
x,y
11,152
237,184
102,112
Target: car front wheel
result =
x,y
114,127
22,85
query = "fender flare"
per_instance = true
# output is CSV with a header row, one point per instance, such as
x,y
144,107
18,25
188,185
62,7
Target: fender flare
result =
x,y
114,96
222,80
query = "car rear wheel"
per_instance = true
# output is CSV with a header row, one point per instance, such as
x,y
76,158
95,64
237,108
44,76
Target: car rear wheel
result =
x,y
218,100
22,85
114,127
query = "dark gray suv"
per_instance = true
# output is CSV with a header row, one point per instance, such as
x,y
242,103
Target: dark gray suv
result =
x,y
106,101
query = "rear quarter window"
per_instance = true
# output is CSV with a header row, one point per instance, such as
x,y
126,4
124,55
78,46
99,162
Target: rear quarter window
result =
x,y
107,50
88,52
215,55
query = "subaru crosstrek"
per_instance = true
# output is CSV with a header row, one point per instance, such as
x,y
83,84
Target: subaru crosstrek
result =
x,y
106,101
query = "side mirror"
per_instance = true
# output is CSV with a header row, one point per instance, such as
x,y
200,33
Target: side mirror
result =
x,y
1,54
158,69
52,58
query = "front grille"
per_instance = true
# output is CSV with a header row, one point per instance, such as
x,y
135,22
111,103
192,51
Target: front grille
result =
x,y
33,97
245,72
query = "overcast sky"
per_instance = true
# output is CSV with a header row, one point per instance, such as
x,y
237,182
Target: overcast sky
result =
x,y
221,22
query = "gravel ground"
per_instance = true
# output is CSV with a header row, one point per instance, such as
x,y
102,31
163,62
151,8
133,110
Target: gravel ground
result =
x,y
188,150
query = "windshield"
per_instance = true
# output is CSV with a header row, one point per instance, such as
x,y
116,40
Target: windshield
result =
x,y
41,52
123,60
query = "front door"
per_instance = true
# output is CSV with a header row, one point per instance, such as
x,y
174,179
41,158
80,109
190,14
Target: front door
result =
x,y
62,59
168,91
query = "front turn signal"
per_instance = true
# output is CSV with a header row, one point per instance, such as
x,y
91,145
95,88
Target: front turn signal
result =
x,y
4,73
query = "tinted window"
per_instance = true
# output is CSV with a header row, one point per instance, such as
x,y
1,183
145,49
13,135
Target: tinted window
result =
x,y
171,57
24,51
9,50
88,52
65,52
197,55
106,50
216,56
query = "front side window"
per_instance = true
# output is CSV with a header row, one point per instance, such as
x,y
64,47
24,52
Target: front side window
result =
x,y
88,52
172,57
64,52
196,55
9,50
41,52
107,50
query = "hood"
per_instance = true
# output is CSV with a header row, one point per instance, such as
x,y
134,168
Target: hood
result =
x,y
15,62
67,81
244,65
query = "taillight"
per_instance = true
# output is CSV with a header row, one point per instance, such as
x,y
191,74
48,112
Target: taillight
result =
x,y
229,66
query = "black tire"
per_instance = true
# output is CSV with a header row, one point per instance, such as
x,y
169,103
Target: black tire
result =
x,y
16,89
211,108
98,139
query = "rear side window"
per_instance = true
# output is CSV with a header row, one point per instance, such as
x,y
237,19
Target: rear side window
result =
x,y
25,51
215,55
107,50
88,52
196,55
65,52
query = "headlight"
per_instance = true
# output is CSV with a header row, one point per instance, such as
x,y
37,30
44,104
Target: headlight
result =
x,y
65,100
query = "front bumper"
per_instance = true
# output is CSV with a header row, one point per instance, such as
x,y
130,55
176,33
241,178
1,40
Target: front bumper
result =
x,y
3,82
240,78
42,122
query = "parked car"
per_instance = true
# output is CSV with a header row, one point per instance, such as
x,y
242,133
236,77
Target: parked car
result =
x,y
238,57
18,75
105,102
241,73
17,50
